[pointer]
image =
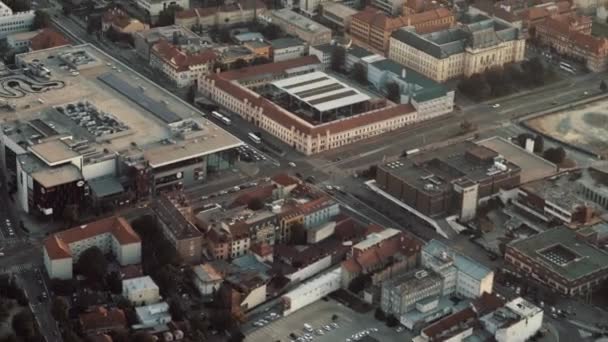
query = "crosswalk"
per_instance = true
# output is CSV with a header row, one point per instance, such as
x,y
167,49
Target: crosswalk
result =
x,y
17,268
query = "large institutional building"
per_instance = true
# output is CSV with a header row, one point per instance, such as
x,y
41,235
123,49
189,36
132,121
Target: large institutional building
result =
x,y
313,112
111,235
479,44
14,22
95,131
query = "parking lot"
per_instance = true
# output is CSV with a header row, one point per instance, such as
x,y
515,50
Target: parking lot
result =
x,y
320,314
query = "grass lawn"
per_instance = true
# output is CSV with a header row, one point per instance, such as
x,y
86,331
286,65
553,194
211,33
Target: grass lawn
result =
x,y
599,29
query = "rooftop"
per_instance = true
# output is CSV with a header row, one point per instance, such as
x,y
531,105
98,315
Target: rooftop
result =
x,y
464,264
102,318
151,115
476,31
287,42
138,284
434,171
560,251
180,59
533,167
174,220
152,313
321,91
54,152
57,245
413,281
338,9
300,21
559,190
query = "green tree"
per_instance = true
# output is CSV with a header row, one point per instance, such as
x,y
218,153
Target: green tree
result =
x,y
555,155
603,86
260,60
522,138
359,74
59,309
18,5
393,92
93,24
338,58
166,17
191,96
359,283
539,144
379,314
391,321
66,9
114,282
475,87
23,324
41,20
10,338
255,204
92,264
142,336
70,336
239,64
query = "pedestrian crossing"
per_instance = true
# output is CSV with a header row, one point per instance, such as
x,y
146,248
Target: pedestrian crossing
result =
x,y
17,268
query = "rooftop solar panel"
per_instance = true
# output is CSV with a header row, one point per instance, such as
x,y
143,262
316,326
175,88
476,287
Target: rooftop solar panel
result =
x,y
136,95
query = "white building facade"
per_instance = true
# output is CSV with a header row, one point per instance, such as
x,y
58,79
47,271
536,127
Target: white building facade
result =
x,y
311,291
141,291
154,7
14,22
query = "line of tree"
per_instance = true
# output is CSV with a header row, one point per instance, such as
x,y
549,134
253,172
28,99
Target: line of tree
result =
x,y
500,81
166,17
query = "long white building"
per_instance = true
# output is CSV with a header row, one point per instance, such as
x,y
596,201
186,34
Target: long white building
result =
x,y
11,22
111,235
461,275
311,291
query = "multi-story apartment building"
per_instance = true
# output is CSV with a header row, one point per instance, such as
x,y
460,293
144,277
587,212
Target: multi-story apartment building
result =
x,y
141,291
338,14
373,28
390,7
401,293
449,180
284,49
179,36
461,274
111,235
181,66
154,7
560,260
569,37
230,13
479,44
120,21
302,27
14,22
181,233
230,90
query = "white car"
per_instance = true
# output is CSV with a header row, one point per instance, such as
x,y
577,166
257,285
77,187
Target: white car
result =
x,y
496,105
292,164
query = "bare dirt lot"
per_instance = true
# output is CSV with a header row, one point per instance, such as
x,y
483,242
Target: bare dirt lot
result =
x,y
585,127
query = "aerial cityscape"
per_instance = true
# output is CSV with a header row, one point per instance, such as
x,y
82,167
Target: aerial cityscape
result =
x,y
303,170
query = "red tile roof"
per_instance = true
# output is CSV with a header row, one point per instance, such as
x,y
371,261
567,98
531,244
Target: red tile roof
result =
x,y
57,245
262,249
181,60
284,179
261,192
48,38
207,11
269,68
103,319
583,41
455,323
100,338
117,17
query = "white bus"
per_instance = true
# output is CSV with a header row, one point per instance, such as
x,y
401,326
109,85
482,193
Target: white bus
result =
x,y
565,68
564,64
217,115
254,138
226,121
